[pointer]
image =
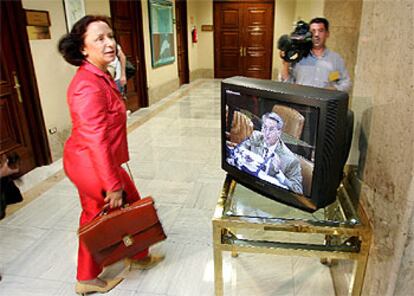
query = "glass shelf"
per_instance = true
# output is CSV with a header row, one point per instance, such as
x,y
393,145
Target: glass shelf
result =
x,y
244,203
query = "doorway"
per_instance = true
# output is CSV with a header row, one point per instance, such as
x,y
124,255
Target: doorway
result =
x,y
127,25
243,39
182,40
22,128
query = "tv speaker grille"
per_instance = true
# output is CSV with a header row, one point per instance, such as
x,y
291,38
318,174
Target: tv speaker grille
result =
x,y
330,142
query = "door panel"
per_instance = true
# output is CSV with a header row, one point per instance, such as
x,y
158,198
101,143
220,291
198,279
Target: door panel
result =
x,y
227,39
243,39
258,21
230,17
230,40
228,61
14,130
127,24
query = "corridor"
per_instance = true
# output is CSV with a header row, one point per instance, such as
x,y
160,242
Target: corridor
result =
x,y
175,157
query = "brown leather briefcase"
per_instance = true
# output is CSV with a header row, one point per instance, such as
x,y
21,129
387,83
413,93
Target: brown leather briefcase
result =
x,y
123,232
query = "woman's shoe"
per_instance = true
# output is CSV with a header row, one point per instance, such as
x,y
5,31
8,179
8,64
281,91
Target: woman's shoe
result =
x,y
84,289
148,262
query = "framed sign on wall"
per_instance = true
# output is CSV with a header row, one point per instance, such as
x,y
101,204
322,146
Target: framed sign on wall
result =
x,y
74,10
161,31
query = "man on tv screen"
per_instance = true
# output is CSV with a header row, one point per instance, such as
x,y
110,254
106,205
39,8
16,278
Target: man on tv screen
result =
x,y
264,155
322,68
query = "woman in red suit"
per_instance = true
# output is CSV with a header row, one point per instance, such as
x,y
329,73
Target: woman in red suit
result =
x,y
97,146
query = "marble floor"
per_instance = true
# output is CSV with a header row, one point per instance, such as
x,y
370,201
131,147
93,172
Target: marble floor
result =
x,y
175,157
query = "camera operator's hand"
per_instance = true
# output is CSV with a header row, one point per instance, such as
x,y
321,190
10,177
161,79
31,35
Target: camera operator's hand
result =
x,y
114,199
284,73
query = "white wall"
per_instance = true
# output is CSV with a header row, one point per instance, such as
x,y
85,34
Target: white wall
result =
x,y
97,7
308,9
53,74
283,24
200,54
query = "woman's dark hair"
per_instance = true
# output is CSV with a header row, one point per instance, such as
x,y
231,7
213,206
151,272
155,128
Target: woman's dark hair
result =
x,y
320,20
70,45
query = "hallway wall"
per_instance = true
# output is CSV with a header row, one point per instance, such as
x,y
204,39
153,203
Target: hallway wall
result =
x,y
53,74
201,54
383,99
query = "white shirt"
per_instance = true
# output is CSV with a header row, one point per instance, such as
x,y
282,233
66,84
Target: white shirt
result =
x,y
115,66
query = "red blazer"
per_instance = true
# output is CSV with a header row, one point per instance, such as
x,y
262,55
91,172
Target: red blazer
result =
x,y
99,137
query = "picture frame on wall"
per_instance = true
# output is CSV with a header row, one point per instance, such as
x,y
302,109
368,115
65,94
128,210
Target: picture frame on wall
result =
x,y
74,11
161,32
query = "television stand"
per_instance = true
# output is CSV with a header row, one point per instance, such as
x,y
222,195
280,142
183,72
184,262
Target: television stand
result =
x,y
247,222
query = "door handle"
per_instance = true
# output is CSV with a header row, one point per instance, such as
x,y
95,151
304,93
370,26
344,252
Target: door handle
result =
x,y
241,51
17,87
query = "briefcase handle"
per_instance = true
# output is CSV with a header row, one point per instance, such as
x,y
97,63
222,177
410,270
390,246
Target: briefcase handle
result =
x,y
105,210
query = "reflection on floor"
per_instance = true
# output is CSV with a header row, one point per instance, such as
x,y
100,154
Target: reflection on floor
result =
x,y
175,157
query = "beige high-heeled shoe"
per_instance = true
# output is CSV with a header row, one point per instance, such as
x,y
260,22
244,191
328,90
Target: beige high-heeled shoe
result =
x,y
147,263
84,289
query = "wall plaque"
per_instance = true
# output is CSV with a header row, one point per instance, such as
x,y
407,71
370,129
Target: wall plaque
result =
x,y
37,18
207,28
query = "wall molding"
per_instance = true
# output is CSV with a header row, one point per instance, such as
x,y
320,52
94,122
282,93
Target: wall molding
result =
x,y
201,73
159,92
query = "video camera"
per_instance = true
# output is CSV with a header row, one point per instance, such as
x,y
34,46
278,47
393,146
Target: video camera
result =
x,y
296,45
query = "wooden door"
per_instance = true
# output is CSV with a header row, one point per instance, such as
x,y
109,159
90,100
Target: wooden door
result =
x,y
243,39
228,39
22,128
258,40
127,25
182,41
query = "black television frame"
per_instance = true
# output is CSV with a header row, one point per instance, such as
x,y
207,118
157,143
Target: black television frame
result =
x,y
331,142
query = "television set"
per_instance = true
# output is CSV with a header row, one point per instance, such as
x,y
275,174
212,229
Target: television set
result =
x,y
285,141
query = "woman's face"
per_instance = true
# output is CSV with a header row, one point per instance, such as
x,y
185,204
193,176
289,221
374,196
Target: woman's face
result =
x,y
99,44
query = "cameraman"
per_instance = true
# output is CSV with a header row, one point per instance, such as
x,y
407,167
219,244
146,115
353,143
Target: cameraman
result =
x,y
322,67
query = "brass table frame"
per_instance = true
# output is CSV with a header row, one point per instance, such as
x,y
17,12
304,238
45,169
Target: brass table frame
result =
x,y
355,248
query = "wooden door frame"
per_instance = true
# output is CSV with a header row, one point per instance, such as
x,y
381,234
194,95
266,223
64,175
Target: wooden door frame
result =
x,y
141,67
184,36
31,102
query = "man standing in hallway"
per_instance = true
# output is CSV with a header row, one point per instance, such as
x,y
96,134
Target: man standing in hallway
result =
x,y
322,67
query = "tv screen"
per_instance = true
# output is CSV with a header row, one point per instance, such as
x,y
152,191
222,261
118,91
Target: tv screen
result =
x,y
285,141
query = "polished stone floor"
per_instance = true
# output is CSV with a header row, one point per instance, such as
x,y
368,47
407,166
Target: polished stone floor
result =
x,y
175,157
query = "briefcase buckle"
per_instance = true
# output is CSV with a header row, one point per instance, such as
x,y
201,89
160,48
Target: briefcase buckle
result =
x,y
128,240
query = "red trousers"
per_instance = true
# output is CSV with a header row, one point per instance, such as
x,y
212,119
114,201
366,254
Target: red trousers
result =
x,y
90,193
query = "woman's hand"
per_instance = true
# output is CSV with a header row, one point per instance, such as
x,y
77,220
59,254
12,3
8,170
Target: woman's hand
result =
x,y
114,199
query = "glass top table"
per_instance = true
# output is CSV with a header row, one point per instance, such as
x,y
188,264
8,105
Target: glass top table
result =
x,y
245,221
244,203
